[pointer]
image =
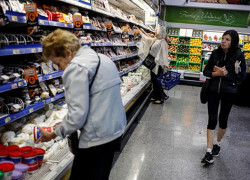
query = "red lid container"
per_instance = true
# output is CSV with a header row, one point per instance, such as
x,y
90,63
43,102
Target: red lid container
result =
x,y
15,154
12,148
25,149
2,147
29,154
7,167
39,151
3,153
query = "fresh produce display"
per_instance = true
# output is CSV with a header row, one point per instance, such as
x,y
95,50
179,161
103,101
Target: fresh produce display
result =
x,y
183,49
184,41
172,66
194,67
172,56
195,50
182,67
172,48
174,40
246,47
195,59
211,47
195,42
182,58
247,55
197,33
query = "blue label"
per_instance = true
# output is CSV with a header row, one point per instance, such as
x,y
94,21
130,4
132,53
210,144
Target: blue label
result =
x,y
31,160
40,157
3,158
16,160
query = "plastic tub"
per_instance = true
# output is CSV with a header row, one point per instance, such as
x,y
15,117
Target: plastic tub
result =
x,y
16,156
12,148
40,153
37,133
30,159
17,175
7,168
22,168
6,162
3,155
2,147
25,149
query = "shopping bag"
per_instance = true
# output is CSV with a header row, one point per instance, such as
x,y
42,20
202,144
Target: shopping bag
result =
x,y
204,92
73,142
149,62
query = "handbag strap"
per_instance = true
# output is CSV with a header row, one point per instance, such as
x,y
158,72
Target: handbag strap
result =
x,y
99,61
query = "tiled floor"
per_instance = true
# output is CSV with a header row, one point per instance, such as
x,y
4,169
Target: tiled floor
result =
x,y
170,140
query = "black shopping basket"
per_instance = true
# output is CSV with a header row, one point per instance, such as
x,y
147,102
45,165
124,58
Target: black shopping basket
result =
x,y
169,80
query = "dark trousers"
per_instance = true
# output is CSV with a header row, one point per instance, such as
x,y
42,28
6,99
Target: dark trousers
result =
x,y
226,101
94,163
157,93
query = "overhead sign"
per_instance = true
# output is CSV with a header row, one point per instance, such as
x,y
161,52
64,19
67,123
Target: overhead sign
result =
x,y
214,17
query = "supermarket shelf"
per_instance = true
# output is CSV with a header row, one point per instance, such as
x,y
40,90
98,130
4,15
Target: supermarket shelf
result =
x,y
217,42
173,35
194,63
195,54
192,74
64,158
132,44
20,49
183,45
78,3
183,53
13,85
12,117
246,50
131,69
196,46
207,50
52,99
132,55
50,76
102,12
118,58
16,16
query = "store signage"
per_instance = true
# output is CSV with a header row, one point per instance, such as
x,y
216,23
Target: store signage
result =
x,y
214,17
32,79
150,18
78,22
31,14
222,1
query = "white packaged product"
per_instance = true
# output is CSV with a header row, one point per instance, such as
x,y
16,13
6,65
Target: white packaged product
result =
x,y
7,137
28,128
62,143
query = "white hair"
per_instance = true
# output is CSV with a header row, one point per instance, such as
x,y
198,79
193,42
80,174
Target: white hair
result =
x,y
161,31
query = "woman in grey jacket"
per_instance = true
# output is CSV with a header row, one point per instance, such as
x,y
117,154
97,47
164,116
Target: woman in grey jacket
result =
x,y
97,112
226,67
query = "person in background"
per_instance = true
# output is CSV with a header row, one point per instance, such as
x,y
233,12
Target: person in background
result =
x,y
159,49
97,112
227,68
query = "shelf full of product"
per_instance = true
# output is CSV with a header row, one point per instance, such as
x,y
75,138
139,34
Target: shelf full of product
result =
x,y
189,49
22,109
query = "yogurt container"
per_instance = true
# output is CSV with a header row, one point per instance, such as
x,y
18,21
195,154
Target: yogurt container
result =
x,y
40,153
22,168
30,159
2,147
16,156
12,148
7,168
3,155
17,175
25,149
37,133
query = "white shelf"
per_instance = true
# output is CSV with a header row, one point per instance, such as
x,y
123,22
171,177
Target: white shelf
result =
x,y
78,4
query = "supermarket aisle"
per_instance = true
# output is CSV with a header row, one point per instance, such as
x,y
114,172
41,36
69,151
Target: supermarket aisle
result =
x,y
170,140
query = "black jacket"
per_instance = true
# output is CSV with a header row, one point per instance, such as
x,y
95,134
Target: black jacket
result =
x,y
230,82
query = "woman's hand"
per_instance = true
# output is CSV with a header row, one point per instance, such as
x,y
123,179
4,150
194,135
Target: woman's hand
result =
x,y
167,67
45,136
219,71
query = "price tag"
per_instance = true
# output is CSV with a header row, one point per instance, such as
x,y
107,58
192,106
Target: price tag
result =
x,y
20,83
16,51
7,119
31,110
40,50
40,78
33,50
41,22
50,76
14,86
52,99
65,25
14,18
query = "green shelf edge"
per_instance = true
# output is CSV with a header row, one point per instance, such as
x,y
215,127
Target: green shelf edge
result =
x,y
246,50
195,63
173,35
196,46
183,44
187,54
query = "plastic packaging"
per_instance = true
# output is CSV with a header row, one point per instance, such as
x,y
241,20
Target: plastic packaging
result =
x,y
30,159
16,156
17,175
22,168
37,132
40,154
12,148
3,155
7,168
2,147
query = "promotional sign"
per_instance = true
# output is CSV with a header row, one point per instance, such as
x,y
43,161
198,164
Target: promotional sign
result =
x,y
244,2
214,17
77,21
31,14
32,79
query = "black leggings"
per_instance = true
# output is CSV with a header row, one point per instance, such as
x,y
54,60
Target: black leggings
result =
x,y
157,93
226,101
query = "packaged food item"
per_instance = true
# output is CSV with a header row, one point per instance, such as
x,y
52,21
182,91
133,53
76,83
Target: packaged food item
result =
x,y
23,168
16,156
30,159
7,168
12,148
2,147
37,132
25,149
17,175
40,154
3,155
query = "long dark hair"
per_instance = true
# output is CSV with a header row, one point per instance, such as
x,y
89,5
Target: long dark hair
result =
x,y
234,43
